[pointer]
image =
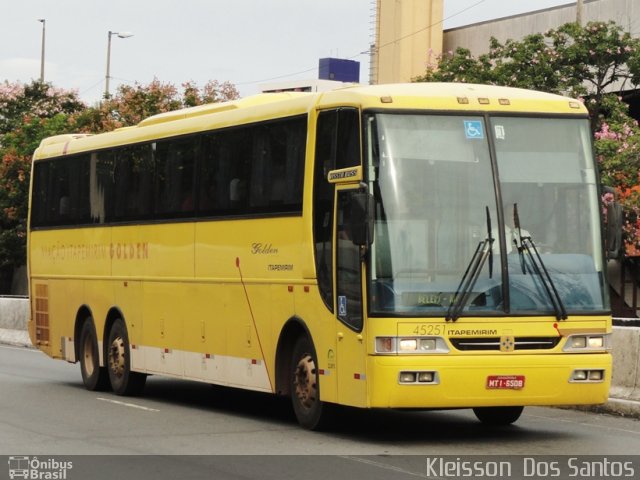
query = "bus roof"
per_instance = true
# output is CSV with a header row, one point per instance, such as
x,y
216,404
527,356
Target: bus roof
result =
x,y
410,96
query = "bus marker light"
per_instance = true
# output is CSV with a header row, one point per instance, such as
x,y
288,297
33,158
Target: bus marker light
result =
x,y
504,101
483,101
290,288
386,99
385,345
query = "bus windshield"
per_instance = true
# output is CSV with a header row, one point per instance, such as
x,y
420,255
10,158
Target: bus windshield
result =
x,y
448,185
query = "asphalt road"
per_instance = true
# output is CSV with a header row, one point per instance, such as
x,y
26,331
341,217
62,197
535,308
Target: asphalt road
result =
x,y
45,411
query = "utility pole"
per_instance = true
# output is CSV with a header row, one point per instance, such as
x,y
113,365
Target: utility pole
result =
x,y
43,21
579,5
107,76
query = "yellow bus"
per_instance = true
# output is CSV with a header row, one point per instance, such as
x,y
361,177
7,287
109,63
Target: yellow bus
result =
x,y
417,246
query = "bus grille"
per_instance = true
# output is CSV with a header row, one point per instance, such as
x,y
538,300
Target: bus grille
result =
x,y
493,343
42,314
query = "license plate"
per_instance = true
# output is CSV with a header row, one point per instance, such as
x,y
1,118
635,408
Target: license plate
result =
x,y
513,382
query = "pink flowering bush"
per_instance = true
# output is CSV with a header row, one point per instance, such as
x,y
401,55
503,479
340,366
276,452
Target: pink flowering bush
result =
x,y
617,147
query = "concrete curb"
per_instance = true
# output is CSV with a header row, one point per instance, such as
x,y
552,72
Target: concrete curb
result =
x,y
17,338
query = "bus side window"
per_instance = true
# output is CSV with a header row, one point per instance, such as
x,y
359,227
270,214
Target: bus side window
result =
x,y
134,182
347,138
174,171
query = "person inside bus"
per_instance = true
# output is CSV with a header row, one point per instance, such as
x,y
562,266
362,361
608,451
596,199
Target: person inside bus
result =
x,y
237,192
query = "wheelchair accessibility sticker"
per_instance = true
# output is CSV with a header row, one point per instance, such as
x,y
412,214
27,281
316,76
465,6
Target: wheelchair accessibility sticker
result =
x,y
342,306
473,129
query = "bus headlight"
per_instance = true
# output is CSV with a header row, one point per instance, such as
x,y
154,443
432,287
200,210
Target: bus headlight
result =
x,y
410,345
428,344
587,343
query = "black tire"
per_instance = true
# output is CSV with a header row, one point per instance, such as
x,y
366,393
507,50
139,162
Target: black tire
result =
x,y
123,380
94,377
498,416
310,412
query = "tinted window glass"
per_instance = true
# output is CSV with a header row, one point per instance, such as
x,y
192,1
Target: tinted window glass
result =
x,y
134,183
253,169
61,192
174,170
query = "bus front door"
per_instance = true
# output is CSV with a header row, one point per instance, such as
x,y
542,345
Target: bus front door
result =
x,y
351,351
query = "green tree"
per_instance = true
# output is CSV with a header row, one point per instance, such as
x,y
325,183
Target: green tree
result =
x,y
581,62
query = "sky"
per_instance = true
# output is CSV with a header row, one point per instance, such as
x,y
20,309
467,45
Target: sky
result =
x,y
246,42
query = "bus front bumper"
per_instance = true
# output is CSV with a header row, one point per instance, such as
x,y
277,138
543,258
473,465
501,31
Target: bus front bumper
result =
x,y
488,380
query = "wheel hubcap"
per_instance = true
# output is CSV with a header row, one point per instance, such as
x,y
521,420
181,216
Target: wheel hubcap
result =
x,y
116,356
305,381
87,351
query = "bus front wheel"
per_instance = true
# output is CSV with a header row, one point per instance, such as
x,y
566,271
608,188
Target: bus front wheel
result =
x,y
94,377
305,393
123,380
498,416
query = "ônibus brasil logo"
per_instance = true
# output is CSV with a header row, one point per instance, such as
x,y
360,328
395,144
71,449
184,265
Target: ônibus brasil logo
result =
x,y
38,469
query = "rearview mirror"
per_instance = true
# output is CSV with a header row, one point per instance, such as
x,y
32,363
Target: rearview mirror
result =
x,y
362,213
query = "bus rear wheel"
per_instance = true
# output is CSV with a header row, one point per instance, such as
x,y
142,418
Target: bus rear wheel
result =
x,y
123,380
310,412
498,416
94,377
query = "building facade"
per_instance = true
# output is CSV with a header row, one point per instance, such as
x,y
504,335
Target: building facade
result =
x,y
408,36
475,37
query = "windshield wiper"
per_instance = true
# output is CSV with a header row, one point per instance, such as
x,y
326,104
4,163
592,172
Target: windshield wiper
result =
x,y
483,252
538,266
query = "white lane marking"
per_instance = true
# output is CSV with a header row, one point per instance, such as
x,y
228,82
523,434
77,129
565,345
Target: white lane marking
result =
x,y
584,424
383,466
130,405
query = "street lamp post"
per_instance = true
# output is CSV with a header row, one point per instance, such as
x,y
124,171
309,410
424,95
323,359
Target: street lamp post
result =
x,y
107,76
43,21
579,11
